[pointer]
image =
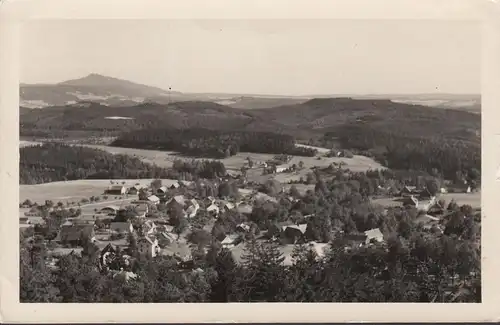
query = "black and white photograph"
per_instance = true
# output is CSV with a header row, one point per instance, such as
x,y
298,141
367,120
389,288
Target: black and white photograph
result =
x,y
172,161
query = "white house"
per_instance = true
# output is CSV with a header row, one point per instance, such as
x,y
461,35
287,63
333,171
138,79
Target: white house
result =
x,y
193,208
117,190
230,240
373,234
154,199
213,210
147,246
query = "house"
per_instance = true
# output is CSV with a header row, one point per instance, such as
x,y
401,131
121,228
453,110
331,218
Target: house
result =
x,y
408,191
244,209
319,248
373,235
213,210
108,253
436,208
75,234
425,194
177,201
411,201
165,238
36,220
443,190
142,210
153,199
175,185
147,246
83,221
162,190
227,206
294,233
193,208
425,205
281,169
231,240
110,210
116,190
242,227
121,227
149,227
134,190
24,221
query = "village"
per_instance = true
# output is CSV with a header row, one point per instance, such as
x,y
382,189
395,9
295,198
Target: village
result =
x,y
162,216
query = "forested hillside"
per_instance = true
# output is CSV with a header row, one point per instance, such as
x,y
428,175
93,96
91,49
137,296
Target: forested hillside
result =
x,y
402,136
211,143
56,162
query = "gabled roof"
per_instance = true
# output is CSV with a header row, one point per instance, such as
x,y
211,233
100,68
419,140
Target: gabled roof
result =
x,y
147,239
178,199
245,208
302,227
243,226
120,226
153,198
116,187
163,189
111,207
213,207
374,233
229,205
230,239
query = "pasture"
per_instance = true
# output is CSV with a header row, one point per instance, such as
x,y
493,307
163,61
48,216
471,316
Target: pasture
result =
x,y
234,163
472,199
74,191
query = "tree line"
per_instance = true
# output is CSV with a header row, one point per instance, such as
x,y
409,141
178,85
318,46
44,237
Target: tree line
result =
x,y
212,143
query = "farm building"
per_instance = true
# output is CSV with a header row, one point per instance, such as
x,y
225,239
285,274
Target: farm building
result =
x,y
110,210
116,190
175,185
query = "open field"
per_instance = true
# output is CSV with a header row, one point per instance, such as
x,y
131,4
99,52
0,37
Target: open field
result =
x,y
234,163
472,199
74,191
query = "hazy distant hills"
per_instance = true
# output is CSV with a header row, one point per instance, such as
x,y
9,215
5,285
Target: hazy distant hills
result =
x,y
94,87
111,91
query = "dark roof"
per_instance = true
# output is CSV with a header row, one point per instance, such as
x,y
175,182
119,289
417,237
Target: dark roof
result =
x,y
76,232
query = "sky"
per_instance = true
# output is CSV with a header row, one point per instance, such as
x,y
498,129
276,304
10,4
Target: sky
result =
x,y
280,57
